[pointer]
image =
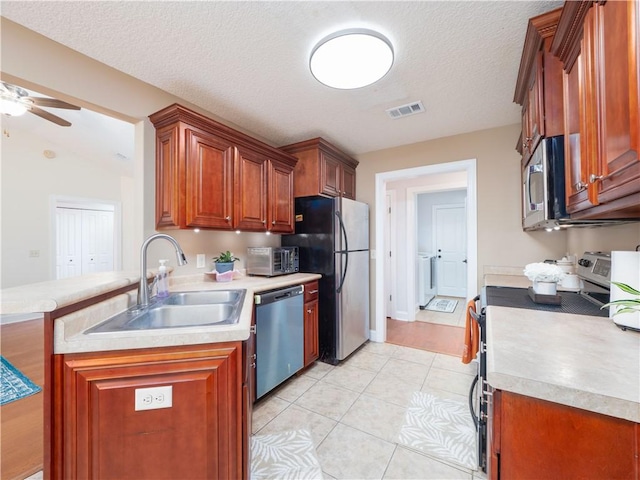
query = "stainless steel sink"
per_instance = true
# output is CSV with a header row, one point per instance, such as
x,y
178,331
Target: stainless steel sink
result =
x,y
204,298
180,309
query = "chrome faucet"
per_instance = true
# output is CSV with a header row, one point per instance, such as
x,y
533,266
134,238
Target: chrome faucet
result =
x,y
143,288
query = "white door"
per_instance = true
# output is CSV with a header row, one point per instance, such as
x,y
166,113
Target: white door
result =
x,y
450,230
97,241
68,242
84,241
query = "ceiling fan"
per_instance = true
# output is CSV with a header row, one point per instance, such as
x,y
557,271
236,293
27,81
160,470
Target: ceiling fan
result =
x,y
15,101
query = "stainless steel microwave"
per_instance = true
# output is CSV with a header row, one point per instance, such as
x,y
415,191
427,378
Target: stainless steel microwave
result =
x,y
543,187
271,261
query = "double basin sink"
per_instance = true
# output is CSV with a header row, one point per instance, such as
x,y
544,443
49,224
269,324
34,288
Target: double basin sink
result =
x,y
179,309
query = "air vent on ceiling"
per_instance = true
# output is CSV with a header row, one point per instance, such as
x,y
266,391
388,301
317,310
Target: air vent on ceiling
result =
x,y
406,110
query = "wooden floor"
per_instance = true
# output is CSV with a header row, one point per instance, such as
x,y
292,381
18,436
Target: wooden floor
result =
x,y
21,421
426,336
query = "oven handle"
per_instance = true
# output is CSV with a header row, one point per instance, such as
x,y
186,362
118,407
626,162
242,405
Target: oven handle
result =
x,y
471,398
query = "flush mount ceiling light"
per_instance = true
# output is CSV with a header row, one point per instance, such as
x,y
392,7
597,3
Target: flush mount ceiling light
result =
x,y
351,58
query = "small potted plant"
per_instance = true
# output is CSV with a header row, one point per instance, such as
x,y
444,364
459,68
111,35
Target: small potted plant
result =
x,y
224,262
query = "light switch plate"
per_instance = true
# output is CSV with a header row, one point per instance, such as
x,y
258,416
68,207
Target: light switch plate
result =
x,y
154,398
200,260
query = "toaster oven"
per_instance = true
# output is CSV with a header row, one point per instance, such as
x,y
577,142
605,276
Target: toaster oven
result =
x,y
271,261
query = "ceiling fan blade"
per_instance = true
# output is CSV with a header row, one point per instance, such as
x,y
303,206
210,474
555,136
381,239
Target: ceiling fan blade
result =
x,y
49,116
52,102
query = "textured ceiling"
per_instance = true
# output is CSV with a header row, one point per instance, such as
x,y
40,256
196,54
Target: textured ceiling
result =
x,y
248,61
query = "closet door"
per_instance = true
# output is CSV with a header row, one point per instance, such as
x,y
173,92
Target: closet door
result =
x,y
68,242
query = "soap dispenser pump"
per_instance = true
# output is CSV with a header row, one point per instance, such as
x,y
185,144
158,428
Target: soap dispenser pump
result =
x,y
163,281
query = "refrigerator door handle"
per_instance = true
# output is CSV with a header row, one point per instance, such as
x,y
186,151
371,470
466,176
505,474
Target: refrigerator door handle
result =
x,y
343,233
345,252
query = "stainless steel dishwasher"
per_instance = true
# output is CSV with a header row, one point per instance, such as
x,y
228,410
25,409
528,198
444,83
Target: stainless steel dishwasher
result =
x,y
279,337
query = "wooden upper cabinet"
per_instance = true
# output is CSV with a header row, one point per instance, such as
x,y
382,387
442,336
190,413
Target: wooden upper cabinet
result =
x,y
322,169
209,175
539,84
598,44
251,179
280,194
209,180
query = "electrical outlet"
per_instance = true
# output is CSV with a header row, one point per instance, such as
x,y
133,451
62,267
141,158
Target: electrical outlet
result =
x,y
200,260
154,398
34,253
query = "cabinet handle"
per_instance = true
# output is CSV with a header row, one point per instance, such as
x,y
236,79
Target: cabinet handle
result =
x,y
273,222
580,186
308,310
311,292
227,218
252,329
264,222
253,365
594,178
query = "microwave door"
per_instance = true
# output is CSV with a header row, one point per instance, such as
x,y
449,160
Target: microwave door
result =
x,y
535,189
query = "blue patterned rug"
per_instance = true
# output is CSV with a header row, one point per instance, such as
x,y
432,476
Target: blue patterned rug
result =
x,y
13,384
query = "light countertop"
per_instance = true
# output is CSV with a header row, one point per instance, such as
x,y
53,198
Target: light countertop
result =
x,y
68,330
576,360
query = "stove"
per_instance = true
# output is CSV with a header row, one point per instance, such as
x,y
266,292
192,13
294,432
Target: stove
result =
x,y
570,302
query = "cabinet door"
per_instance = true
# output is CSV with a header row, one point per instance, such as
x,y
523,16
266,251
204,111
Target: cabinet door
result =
x,y
617,53
330,175
251,191
198,436
209,181
575,164
534,109
167,176
541,439
281,203
311,340
348,182
311,346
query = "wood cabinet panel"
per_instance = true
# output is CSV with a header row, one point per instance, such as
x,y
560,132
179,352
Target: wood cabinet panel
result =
x,y
251,182
280,195
311,339
199,436
167,176
322,169
209,181
539,85
211,176
598,44
538,439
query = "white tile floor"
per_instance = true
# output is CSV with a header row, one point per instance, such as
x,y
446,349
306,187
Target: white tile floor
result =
x,y
354,411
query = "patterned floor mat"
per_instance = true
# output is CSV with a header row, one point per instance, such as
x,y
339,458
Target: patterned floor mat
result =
x,y
13,384
286,455
440,427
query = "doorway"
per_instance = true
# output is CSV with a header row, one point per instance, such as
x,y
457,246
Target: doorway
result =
x,y
405,281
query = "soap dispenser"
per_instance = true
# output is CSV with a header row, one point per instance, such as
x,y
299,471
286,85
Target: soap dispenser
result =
x,y
163,281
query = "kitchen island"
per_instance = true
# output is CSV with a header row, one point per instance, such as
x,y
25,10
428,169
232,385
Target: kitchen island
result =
x,y
566,396
79,371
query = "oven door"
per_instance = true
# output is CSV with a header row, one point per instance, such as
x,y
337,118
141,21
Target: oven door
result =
x,y
478,401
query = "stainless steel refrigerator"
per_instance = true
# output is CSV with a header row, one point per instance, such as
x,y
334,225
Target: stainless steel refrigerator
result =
x,y
332,236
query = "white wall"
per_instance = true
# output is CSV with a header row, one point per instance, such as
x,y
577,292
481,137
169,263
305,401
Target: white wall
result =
x,y
29,179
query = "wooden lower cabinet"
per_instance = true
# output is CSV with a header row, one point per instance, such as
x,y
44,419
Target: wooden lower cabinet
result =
x,y
200,436
311,343
531,438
